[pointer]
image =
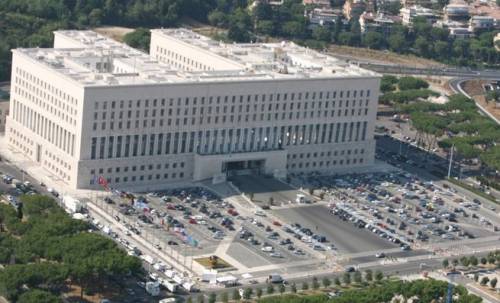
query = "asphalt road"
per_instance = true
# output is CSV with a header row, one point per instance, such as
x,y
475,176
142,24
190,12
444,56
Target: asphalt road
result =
x,y
345,236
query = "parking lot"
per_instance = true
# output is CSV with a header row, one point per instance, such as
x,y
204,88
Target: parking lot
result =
x,y
343,235
403,209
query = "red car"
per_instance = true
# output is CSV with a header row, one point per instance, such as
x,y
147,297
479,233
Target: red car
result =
x,y
170,206
192,221
276,223
232,212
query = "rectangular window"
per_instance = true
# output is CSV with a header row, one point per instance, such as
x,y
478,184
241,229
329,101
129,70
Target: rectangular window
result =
x,y
160,144
110,146
167,144
93,148
144,144
127,146
136,145
119,146
151,144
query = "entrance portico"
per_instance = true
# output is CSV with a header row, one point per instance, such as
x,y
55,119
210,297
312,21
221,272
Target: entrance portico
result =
x,y
220,166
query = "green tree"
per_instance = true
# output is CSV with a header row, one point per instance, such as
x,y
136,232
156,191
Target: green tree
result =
x,y
346,278
484,260
379,276
422,46
38,296
446,263
321,33
201,299
224,297
138,39
247,293
464,261
259,292
270,289
493,282
441,49
397,42
473,260
282,289
305,286
326,282
407,83
484,281
236,295
369,275
315,283
239,26
373,40
95,17
337,281
265,27
217,18
358,277
212,298
293,288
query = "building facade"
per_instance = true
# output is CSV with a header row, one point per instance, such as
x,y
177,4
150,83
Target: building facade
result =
x,y
195,109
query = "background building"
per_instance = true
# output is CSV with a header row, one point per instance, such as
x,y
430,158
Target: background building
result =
x,y
195,109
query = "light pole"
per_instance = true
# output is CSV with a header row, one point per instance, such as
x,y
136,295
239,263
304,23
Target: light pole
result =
x,y
451,160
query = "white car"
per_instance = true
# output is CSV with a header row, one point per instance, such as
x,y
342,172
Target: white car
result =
x,y
267,249
260,213
276,255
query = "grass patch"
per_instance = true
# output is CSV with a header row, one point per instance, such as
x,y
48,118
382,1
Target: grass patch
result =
x,y
210,264
473,189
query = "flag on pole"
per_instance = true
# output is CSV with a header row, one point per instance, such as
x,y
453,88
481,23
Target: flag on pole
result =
x,y
103,182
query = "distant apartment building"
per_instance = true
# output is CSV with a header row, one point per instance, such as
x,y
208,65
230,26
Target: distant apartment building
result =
x,y
354,8
382,23
318,3
408,14
322,17
480,23
461,32
456,12
423,3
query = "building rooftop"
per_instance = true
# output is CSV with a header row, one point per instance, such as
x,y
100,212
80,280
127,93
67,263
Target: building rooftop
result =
x,y
101,61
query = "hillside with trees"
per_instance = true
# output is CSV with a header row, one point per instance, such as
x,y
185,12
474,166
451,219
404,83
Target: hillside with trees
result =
x,y
44,252
29,23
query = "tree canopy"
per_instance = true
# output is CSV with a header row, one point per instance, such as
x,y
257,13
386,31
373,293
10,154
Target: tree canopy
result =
x,y
46,247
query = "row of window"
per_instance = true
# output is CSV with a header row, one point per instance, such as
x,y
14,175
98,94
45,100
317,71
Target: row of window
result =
x,y
46,96
226,140
324,164
207,120
179,60
44,127
327,154
50,161
195,101
135,168
193,111
140,178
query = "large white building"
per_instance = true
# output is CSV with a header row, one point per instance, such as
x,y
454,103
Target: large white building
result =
x,y
195,109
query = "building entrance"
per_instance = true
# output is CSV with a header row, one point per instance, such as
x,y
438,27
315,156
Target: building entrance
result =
x,y
245,167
